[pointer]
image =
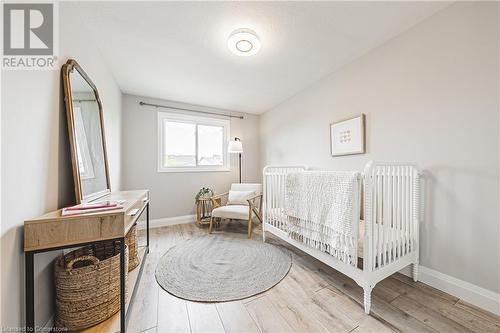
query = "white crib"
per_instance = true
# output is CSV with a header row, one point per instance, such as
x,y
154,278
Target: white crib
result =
x,y
390,206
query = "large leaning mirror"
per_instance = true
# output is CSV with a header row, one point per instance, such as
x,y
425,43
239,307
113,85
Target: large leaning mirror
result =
x,y
86,134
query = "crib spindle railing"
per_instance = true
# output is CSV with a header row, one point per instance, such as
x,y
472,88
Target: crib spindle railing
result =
x,y
407,210
410,209
393,215
377,222
283,191
399,241
391,212
274,194
416,214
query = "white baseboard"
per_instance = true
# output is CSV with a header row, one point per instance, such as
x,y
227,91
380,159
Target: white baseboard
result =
x,y
468,292
166,221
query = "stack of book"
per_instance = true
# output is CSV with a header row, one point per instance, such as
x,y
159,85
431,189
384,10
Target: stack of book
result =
x,y
87,208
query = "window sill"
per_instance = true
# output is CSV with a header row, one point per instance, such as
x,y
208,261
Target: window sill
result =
x,y
184,170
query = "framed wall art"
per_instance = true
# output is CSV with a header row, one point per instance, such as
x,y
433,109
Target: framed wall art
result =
x,y
347,137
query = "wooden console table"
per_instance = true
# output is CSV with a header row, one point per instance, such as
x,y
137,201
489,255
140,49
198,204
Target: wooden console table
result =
x,y
55,232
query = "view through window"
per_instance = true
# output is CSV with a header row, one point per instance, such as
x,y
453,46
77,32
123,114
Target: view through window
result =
x,y
188,143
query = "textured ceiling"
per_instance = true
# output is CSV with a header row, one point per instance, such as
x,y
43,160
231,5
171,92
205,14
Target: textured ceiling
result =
x,y
177,50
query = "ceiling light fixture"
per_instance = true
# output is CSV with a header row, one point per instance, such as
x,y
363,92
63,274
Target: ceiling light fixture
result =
x,y
243,42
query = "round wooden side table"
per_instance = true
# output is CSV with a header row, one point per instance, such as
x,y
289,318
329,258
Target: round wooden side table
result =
x,y
204,210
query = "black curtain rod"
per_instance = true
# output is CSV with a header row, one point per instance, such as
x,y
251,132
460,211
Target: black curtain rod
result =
x,y
189,110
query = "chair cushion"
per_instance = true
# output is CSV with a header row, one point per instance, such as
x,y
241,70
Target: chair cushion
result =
x,y
239,197
238,212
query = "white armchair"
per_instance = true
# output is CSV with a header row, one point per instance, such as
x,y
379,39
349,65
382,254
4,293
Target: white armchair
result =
x,y
244,201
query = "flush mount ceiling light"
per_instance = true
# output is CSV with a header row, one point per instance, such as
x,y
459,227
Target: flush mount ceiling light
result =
x,y
243,42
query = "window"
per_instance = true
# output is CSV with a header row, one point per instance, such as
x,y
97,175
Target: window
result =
x,y
192,143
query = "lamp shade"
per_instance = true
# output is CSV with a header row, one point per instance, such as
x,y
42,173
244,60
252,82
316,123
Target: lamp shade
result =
x,y
235,147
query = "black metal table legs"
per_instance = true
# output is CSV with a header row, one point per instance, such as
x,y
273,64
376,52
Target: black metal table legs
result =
x,y
122,285
30,291
147,228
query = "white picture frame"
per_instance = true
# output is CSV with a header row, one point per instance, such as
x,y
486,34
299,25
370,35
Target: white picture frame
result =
x,y
347,137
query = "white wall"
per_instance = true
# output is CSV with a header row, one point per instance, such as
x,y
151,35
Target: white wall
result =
x,y
172,194
498,86
36,166
431,95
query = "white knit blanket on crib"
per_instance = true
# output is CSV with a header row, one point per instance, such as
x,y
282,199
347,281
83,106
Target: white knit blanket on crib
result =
x,y
320,207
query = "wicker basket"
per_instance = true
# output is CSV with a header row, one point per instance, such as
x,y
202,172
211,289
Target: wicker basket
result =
x,y
131,241
87,283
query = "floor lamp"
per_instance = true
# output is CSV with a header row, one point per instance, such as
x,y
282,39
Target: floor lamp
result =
x,y
236,147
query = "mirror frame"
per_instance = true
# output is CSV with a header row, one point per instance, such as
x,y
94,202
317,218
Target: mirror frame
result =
x,y
69,67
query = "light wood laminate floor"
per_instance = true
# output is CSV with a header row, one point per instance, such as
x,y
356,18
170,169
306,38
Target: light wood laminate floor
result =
x,y
312,298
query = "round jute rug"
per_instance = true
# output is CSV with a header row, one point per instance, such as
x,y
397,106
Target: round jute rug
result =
x,y
220,268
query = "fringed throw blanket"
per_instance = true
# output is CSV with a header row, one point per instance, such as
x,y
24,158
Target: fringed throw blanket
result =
x,y
320,208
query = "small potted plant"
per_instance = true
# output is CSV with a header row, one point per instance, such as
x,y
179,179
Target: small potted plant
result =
x,y
204,192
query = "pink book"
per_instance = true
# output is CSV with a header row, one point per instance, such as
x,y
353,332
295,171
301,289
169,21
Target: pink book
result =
x,y
73,211
84,206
